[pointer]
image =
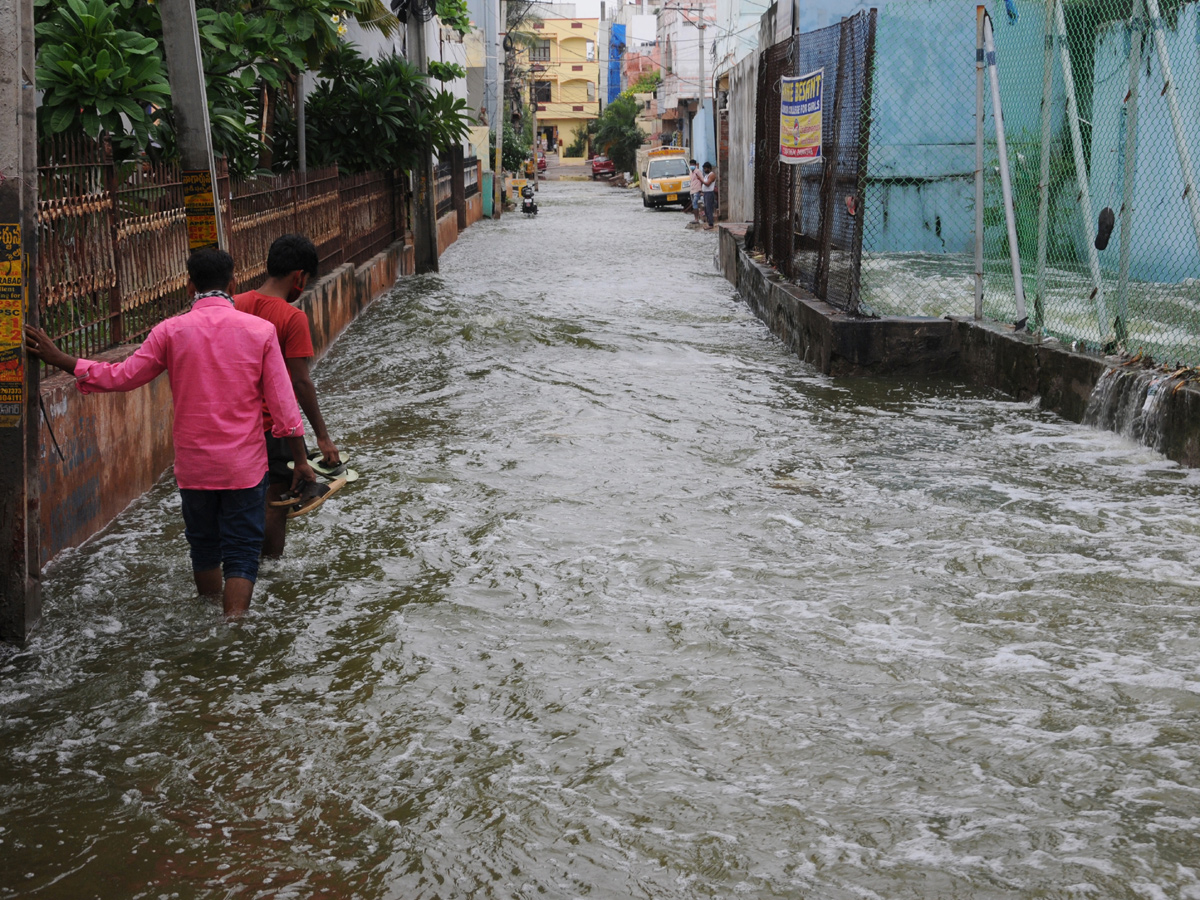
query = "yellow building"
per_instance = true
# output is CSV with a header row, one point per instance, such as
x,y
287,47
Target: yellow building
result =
x,y
564,65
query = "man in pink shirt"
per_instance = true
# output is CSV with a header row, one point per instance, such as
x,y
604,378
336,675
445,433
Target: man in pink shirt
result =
x,y
223,365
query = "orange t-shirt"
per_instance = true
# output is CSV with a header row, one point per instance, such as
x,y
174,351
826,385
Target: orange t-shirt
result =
x,y
291,325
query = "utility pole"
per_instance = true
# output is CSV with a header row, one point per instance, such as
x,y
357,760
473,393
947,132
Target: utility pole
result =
x,y
533,112
425,248
498,120
185,72
301,128
700,114
20,526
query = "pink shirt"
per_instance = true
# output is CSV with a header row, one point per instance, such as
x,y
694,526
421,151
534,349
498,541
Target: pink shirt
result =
x,y
696,182
222,364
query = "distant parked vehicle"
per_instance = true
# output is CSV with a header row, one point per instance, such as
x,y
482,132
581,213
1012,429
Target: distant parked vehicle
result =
x,y
664,177
603,167
541,161
528,204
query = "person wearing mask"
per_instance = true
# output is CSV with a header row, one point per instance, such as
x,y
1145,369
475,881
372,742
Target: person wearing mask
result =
x,y
223,365
708,190
695,185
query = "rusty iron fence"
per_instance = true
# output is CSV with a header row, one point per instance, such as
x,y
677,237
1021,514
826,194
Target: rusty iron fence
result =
x,y
445,188
471,169
806,218
112,241
113,246
368,215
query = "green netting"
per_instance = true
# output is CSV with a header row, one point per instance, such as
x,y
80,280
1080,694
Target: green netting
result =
x,y
1141,292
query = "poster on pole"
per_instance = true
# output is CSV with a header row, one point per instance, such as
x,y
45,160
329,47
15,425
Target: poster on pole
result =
x,y
200,207
12,315
800,116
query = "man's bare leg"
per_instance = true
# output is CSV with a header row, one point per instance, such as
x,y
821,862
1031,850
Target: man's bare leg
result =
x,y
208,582
275,533
237,596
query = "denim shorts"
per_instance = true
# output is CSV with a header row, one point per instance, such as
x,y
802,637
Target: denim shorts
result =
x,y
279,454
225,528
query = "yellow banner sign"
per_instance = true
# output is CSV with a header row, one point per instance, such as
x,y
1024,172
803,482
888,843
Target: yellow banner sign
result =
x,y
12,318
800,117
198,200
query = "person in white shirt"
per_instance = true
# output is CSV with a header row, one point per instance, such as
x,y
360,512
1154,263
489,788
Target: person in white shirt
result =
x,y
708,190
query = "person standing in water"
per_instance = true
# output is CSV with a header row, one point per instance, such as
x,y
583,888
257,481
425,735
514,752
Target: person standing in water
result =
x,y
223,365
291,262
708,191
695,186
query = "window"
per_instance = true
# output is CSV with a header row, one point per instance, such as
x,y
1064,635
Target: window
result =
x,y
540,51
591,94
541,92
667,168
591,51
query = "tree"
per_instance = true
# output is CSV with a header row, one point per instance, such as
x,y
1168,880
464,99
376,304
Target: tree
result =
x,y
368,115
515,152
101,72
647,83
617,133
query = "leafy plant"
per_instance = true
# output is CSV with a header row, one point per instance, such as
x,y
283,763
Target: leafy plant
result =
x,y
515,151
617,133
97,77
454,14
578,147
647,83
368,115
443,71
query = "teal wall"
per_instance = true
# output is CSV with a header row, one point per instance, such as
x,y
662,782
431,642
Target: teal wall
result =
x,y
921,161
1163,246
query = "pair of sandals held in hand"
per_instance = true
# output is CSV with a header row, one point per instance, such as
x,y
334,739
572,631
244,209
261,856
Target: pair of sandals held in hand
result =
x,y
313,493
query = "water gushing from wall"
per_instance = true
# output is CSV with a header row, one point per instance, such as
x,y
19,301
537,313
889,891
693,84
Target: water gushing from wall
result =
x,y
1132,402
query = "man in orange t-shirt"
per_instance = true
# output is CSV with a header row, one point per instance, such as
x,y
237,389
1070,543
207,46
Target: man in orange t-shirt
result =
x,y
291,262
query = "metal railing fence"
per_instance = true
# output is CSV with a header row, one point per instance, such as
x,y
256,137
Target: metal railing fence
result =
x,y
113,244
471,170
444,189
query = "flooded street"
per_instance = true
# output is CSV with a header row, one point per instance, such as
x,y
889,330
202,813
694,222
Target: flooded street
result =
x,y
630,602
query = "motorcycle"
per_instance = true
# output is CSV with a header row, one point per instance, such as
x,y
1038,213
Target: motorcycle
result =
x,y
528,204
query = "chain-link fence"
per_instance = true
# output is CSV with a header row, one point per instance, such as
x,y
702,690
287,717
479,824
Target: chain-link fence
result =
x,y
1101,115
918,189
806,219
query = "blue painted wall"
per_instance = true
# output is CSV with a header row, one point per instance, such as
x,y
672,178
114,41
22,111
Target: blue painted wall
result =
x,y
921,163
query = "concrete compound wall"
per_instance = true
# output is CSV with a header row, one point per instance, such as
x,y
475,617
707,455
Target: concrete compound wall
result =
x,y
115,446
986,354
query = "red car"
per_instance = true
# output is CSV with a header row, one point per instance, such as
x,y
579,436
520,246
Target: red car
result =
x,y
602,167
541,161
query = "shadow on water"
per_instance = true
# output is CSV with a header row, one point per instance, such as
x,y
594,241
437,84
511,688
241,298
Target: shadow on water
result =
x,y
630,602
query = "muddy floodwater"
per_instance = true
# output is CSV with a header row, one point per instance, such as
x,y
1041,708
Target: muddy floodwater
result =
x,y
630,602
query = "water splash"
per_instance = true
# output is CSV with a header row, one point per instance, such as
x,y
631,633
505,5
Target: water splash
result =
x,y
1133,403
